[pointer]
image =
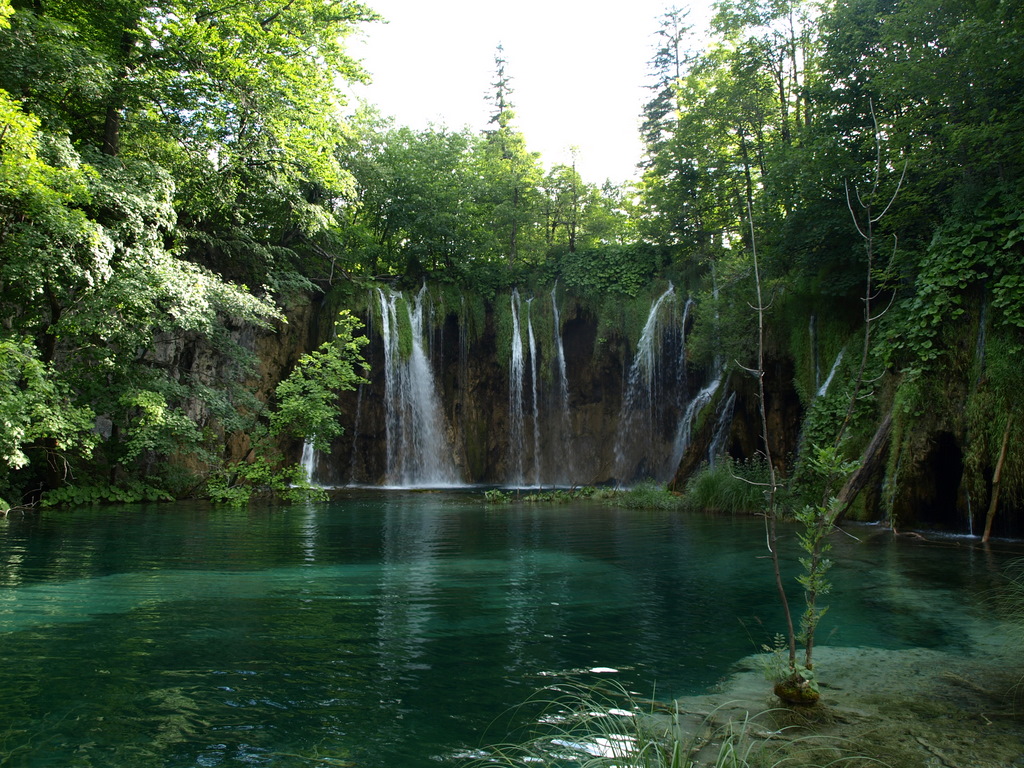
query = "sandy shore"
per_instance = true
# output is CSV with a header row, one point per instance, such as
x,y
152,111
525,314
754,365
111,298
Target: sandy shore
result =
x,y
904,709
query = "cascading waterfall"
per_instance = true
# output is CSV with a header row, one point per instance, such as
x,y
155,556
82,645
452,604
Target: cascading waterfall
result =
x,y
308,461
812,332
565,425
417,448
684,432
636,416
355,433
515,398
716,449
681,376
823,389
533,381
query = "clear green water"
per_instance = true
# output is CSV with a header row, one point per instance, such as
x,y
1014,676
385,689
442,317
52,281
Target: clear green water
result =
x,y
397,630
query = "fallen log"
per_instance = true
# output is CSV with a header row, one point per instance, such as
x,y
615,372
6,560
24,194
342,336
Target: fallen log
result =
x,y
870,461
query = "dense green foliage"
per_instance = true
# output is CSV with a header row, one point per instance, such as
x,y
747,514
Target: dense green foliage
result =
x,y
151,158
865,139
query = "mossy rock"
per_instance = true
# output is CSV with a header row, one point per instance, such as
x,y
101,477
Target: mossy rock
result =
x,y
797,691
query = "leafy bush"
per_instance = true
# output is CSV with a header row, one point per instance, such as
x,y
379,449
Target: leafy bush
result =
x,y
237,484
622,269
307,399
130,492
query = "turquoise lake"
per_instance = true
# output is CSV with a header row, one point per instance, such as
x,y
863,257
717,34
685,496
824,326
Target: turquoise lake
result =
x,y
403,630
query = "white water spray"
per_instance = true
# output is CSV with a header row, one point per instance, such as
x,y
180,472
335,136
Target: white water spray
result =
x,y
636,416
565,424
308,460
533,382
684,432
719,438
835,367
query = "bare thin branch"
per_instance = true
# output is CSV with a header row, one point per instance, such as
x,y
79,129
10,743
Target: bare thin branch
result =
x,y
895,194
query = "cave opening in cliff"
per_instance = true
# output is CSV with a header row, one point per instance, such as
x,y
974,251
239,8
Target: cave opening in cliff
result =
x,y
943,471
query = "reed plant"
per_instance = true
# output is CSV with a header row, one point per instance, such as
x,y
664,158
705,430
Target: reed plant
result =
x,y
586,727
733,487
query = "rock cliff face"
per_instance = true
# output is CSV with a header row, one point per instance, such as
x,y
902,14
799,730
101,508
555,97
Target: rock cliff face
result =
x,y
473,383
195,362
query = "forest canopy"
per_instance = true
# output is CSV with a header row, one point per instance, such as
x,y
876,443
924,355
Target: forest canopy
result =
x,y
174,171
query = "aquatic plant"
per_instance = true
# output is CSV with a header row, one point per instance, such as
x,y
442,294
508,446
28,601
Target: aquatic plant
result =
x,y
584,728
801,685
818,521
554,496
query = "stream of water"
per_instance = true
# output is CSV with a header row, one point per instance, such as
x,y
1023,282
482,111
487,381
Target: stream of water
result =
x,y
401,630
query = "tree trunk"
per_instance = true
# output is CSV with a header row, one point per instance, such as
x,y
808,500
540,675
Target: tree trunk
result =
x,y
114,116
995,481
112,131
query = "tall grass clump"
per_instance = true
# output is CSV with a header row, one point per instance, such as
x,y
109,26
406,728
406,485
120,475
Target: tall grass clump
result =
x,y
580,727
728,486
647,495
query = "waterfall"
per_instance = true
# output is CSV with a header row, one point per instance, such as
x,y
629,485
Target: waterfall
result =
x,y
515,397
835,366
681,376
979,344
565,425
684,432
418,454
355,435
533,382
636,416
812,332
308,460
720,436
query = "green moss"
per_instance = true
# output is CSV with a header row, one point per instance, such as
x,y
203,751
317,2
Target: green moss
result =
x,y
543,319
502,314
625,316
997,380
473,314
814,346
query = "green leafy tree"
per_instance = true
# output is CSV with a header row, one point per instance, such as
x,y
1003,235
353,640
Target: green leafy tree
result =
x,y
306,407
511,196
306,401
146,153
417,212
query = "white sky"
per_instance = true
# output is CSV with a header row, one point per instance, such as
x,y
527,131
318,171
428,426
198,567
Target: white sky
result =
x,y
578,70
